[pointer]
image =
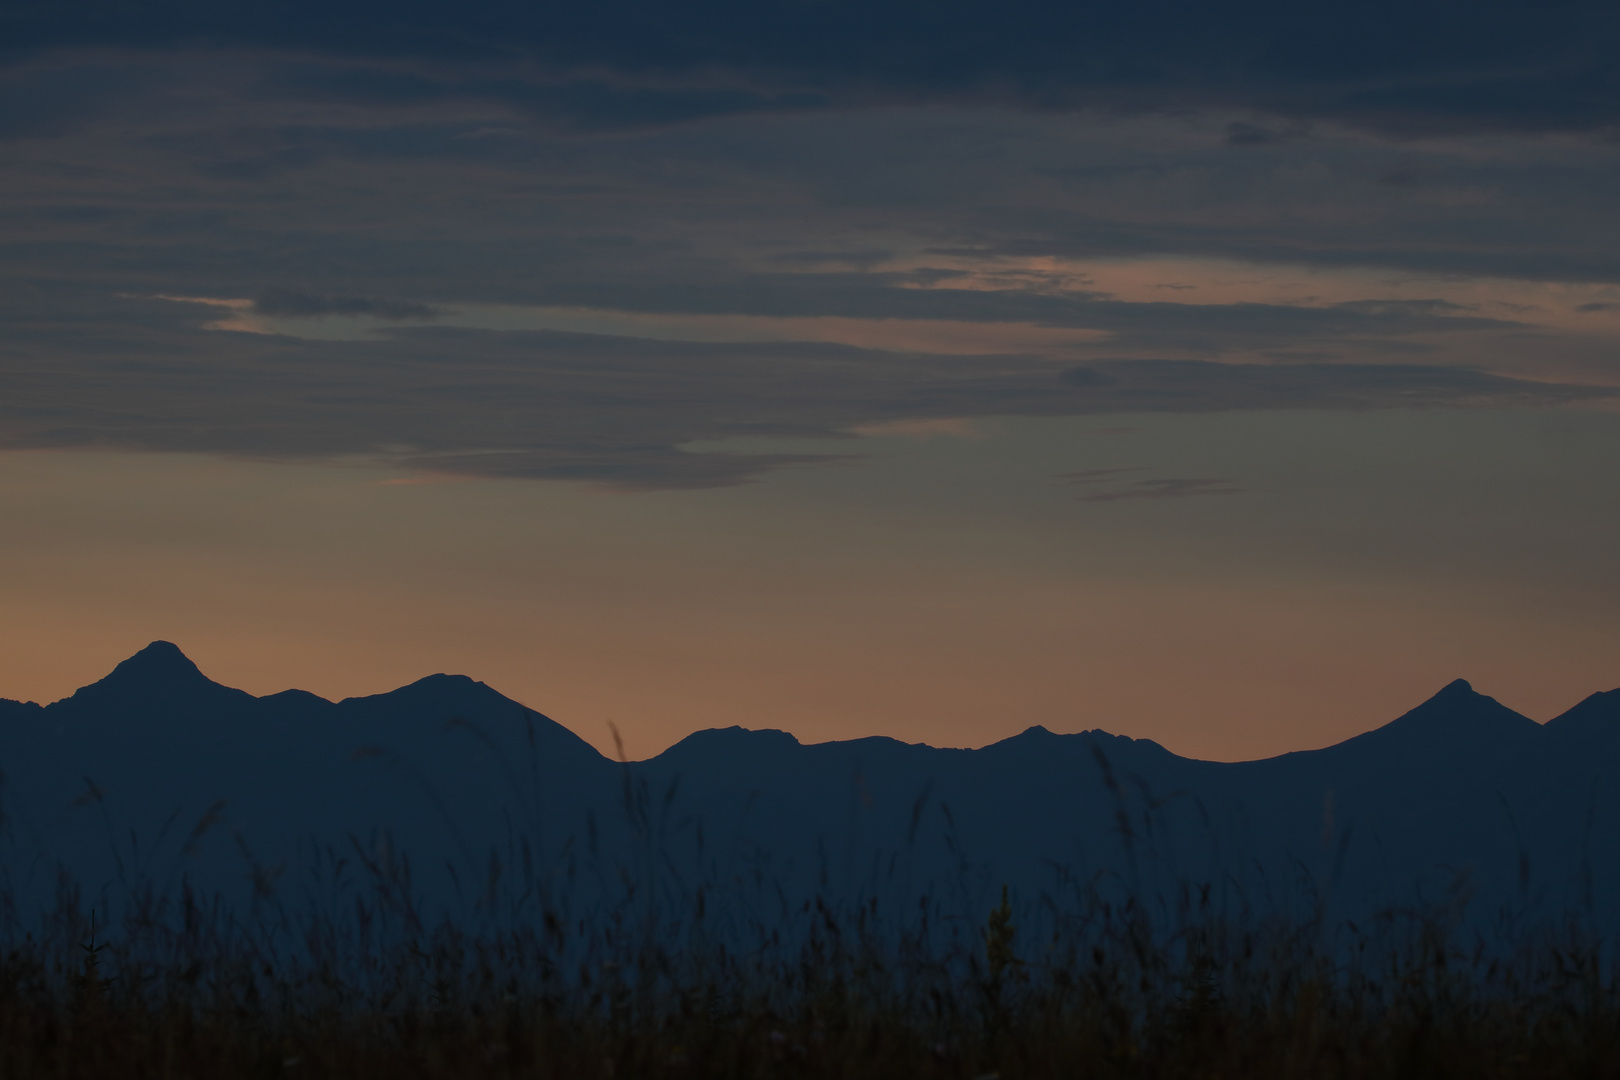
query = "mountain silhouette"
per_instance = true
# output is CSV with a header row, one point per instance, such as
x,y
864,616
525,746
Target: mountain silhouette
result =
x,y
157,774
159,679
1596,719
1456,718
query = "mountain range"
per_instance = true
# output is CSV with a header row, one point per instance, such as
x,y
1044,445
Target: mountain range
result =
x,y
157,777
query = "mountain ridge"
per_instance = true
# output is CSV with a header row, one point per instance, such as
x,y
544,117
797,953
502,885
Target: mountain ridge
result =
x,y
465,779
1457,708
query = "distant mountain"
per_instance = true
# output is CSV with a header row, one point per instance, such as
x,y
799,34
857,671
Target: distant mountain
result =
x,y
1595,722
156,774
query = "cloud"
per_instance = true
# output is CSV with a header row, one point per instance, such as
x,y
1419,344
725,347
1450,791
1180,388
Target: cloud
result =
x,y
915,295
514,199
405,190
1170,488
1114,485
919,428
287,303
598,103
1098,476
864,259
1243,133
57,99
610,410
1087,376
1508,64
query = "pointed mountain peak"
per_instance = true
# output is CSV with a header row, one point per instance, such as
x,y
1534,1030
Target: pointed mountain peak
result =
x,y
160,661
1037,738
158,674
1458,701
1458,716
1033,733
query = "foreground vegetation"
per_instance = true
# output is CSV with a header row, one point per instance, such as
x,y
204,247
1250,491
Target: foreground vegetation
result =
x,y
647,969
195,992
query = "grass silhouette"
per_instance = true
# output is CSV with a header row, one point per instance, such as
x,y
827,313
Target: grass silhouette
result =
x,y
1211,1002
671,970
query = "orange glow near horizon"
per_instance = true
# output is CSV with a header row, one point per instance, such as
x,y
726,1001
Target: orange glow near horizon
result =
x,y
762,605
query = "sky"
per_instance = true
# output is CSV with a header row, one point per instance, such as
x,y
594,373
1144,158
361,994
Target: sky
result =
x,y
1234,376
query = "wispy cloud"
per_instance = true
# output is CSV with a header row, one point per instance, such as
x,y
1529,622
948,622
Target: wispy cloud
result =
x,y
1085,477
288,303
1115,484
607,409
1168,488
736,261
620,64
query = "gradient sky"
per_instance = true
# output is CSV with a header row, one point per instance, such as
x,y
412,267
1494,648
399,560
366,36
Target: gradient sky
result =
x,y
1234,377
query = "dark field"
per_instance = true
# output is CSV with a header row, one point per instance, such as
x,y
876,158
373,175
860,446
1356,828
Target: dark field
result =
x,y
188,990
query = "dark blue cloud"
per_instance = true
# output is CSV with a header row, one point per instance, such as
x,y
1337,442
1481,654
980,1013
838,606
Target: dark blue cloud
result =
x,y
48,101
78,371
595,103
1396,65
403,180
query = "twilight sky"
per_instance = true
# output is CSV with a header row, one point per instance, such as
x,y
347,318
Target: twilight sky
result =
x,y
1233,376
